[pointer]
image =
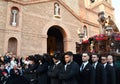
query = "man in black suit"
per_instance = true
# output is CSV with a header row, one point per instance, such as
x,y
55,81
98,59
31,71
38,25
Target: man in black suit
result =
x,y
54,69
110,77
70,70
30,72
41,71
115,66
87,72
99,69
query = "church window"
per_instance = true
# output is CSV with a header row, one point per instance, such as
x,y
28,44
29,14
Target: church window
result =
x,y
92,1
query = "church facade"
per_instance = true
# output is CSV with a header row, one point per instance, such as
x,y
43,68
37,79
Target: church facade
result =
x,y
44,26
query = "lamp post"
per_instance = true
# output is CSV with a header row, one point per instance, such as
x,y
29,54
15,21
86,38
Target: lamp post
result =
x,y
80,34
109,30
79,44
110,44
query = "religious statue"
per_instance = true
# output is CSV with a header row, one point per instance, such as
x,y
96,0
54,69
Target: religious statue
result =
x,y
102,19
92,46
57,9
111,23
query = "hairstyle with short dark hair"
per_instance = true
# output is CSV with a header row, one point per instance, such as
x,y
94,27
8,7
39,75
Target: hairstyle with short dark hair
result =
x,y
69,53
103,56
95,54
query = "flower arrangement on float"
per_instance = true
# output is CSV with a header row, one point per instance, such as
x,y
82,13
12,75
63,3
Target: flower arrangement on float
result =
x,y
100,37
85,40
116,37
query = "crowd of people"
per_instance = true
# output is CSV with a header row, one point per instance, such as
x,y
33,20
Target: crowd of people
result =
x,y
59,69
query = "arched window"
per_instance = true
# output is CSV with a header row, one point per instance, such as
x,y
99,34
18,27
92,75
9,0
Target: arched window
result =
x,y
92,1
12,45
14,16
108,1
85,30
56,9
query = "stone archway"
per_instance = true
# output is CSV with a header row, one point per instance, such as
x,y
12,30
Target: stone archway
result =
x,y
12,45
67,41
55,40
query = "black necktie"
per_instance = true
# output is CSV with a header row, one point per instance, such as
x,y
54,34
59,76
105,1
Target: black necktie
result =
x,y
54,66
82,67
93,65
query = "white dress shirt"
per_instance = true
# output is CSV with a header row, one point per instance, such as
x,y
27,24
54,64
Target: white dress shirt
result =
x,y
83,65
95,64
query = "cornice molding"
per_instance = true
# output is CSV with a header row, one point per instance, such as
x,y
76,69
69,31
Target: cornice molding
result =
x,y
91,11
62,3
25,2
94,5
78,17
108,5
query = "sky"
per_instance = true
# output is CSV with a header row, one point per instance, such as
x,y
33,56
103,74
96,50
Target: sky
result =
x,y
116,5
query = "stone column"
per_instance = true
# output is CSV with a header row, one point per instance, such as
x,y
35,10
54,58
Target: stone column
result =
x,y
69,45
44,44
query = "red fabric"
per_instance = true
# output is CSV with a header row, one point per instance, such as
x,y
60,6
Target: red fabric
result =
x,y
117,39
4,73
85,41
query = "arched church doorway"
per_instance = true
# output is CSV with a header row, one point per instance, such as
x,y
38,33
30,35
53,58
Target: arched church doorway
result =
x,y
55,40
12,45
